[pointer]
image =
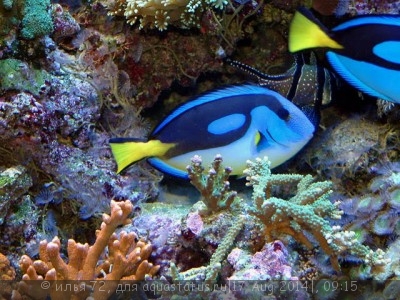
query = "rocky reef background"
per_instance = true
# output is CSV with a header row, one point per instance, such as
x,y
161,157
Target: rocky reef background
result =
x,y
75,73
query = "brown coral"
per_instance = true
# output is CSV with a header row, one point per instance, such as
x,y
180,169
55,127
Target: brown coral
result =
x,y
126,260
214,187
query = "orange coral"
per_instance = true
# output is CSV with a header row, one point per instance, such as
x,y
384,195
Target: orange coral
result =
x,y
126,260
7,272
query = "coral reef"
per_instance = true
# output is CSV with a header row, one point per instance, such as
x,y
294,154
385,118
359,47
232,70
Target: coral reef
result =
x,y
374,216
18,75
19,233
307,211
211,271
14,182
356,7
214,187
348,149
159,14
37,20
127,257
363,7
65,26
72,77
270,263
377,210
7,272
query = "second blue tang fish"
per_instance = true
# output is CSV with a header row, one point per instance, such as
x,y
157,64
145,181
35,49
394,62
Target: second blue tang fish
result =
x,y
239,122
364,50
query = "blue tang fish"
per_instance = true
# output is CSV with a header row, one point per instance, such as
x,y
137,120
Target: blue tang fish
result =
x,y
364,50
239,122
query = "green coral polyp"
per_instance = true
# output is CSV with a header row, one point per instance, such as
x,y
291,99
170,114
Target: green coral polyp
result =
x,y
384,224
160,14
394,199
7,4
37,21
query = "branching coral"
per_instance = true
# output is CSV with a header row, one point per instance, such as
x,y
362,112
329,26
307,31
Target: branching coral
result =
x,y
305,212
211,271
126,259
214,187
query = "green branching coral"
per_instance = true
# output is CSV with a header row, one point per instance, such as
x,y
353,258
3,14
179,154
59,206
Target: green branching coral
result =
x,y
211,271
214,186
305,212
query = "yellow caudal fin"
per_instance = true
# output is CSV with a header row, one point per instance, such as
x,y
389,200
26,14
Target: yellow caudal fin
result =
x,y
305,32
128,151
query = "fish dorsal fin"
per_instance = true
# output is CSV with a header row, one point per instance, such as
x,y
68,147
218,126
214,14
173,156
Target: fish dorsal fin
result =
x,y
255,72
313,58
229,91
384,19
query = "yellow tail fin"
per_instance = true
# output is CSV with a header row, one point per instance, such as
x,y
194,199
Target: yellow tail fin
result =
x,y
305,33
126,151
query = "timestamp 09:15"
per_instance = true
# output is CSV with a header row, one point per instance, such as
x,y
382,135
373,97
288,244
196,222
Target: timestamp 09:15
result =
x,y
313,287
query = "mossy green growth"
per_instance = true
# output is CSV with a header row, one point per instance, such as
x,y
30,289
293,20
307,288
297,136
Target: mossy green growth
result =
x,y
17,75
8,20
37,20
7,4
25,208
14,182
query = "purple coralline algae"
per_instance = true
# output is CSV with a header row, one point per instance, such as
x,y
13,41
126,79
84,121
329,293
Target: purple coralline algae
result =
x,y
272,262
194,223
65,26
161,224
360,7
365,7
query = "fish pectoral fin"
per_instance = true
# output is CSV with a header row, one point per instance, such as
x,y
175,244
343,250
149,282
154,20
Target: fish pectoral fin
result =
x,y
261,141
307,32
257,138
128,151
